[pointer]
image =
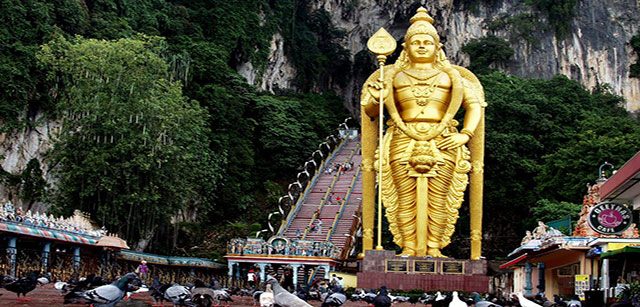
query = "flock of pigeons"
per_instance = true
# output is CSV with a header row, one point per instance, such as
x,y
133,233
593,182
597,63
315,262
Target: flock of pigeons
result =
x,y
94,290
100,293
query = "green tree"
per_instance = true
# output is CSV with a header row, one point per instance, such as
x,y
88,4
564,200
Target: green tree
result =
x,y
544,140
487,52
32,184
132,150
547,210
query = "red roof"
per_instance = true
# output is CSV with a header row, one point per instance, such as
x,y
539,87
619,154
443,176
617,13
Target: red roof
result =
x,y
622,184
514,261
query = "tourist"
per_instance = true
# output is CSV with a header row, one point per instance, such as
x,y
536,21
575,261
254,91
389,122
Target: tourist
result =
x,y
251,278
142,269
334,280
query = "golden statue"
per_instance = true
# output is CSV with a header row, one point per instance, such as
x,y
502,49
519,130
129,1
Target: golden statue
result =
x,y
425,158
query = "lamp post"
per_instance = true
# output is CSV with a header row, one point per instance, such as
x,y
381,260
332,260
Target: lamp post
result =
x,y
601,175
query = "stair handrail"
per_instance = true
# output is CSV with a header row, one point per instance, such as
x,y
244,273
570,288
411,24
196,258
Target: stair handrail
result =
x,y
350,240
323,201
345,201
347,195
296,207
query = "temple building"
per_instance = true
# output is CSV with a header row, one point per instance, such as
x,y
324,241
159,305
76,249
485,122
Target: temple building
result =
x,y
63,248
598,259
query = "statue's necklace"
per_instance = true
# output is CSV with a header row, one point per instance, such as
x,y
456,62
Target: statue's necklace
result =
x,y
423,89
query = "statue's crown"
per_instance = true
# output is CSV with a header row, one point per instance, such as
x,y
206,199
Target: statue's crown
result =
x,y
421,23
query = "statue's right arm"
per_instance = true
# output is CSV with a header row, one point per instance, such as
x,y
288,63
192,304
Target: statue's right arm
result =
x,y
371,89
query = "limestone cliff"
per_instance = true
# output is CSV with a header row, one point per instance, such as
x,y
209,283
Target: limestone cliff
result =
x,y
596,50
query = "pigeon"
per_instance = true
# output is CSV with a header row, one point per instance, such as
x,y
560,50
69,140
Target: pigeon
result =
x,y
266,298
486,304
456,302
107,295
369,297
574,303
202,300
335,299
382,299
221,296
203,296
23,285
525,302
256,297
43,280
157,292
178,295
139,290
62,286
282,297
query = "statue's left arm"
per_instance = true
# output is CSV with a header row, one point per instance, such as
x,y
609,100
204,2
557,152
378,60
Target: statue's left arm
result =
x,y
473,113
473,109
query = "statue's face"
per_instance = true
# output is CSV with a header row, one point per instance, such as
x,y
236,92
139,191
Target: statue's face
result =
x,y
422,48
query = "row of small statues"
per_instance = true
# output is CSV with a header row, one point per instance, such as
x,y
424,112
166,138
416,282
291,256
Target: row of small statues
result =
x,y
295,248
77,223
541,232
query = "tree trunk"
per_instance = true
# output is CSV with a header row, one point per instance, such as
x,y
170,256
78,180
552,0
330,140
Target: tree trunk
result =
x,y
145,240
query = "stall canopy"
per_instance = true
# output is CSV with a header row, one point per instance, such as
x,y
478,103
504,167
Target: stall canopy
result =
x,y
513,262
624,250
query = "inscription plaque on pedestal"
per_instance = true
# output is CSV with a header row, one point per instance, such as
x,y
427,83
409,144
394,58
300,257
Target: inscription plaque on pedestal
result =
x,y
424,266
396,266
452,267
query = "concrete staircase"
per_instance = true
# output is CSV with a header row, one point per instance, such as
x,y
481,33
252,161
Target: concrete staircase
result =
x,y
337,215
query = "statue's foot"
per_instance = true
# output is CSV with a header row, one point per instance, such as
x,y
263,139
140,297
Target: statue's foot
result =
x,y
408,252
435,252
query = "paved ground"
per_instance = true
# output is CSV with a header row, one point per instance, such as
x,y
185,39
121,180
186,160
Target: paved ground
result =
x,y
48,296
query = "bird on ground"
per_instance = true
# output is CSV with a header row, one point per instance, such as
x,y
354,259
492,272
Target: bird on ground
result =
x,y
478,301
524,302
266,298
107,295
382,299
157,292
369,297
441,300
202,296
221,296
282,297
455,301
136,290
256,297
23,286
178,295
400,299
43,280
486,304
62,286
335,299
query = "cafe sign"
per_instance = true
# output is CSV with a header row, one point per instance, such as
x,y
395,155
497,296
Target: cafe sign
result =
x,y
609,218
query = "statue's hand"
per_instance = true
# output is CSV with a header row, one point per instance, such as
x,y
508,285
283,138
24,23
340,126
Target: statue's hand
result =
x,y
375,88
454,140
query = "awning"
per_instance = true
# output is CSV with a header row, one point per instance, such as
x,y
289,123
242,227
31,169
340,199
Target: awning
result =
x,y
514,261
624,250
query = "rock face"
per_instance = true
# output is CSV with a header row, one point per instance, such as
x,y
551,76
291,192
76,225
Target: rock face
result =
x,y
596,51
19,148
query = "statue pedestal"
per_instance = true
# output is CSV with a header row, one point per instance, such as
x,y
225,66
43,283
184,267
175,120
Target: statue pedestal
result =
x,y
385,268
